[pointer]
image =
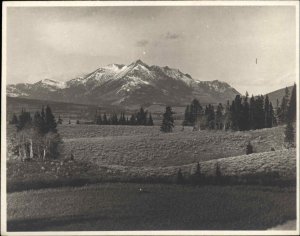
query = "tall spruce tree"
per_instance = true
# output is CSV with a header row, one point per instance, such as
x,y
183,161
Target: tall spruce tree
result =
x,y
24,120
150,120
105,120
219,117
244,119
168,121
50,123
291,112
251,113
141,117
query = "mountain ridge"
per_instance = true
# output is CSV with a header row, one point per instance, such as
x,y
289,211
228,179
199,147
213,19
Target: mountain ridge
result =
x,y
127,85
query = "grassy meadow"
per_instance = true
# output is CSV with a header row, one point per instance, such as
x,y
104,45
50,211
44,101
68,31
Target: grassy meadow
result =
x,y
99,188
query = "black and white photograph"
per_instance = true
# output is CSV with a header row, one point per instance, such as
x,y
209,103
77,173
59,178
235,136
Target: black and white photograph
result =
x,y
150,118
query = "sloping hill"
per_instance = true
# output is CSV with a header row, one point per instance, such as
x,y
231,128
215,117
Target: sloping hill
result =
x,y
278,94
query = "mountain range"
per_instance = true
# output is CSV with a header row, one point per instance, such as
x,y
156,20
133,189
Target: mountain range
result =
x,y
136,84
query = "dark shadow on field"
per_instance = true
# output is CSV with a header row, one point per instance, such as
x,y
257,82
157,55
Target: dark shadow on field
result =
x,y
175,208
125,223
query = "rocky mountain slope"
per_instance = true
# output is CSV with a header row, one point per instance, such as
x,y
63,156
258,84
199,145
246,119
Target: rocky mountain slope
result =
x,y
128,85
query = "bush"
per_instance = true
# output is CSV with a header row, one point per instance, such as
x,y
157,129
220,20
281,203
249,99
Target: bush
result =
x,y
249,148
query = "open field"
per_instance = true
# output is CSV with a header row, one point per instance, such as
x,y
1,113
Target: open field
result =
x,y
147,146
144,154
160,207
82,194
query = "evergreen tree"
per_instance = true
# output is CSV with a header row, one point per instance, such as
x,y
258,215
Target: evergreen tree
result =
x,y
227,116
259,113
249,148
219,117
150,120
141,117
133,120
196,110
168,121
284,107
50,123
187,116
237,113
245,111
24,120
210,116
291,112
114,119
252,104
99,120
105,121
289,134
268,118
39,123
273,121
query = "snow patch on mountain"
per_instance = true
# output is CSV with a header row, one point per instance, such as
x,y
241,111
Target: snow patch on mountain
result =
x,y
53,84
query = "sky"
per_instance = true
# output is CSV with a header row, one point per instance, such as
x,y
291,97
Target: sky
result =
x,y
207,42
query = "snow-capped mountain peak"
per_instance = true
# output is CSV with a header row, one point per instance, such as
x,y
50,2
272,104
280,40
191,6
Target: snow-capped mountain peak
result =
x,y
133,84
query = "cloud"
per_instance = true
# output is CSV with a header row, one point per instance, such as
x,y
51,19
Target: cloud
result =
x,y
142,43
172,36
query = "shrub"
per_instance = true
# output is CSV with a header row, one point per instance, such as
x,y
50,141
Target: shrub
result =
x,y
249,148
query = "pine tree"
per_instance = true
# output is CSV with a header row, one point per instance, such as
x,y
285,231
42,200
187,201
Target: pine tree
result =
x,y
251,113
259,113
39,123
289,134
24,120
141,117
196,110
168,121
268,118
249,148
99,120
114,119
273,121
245,118
133,120
105,121
150,120
291,112
219,117
227,116
187,116
50,123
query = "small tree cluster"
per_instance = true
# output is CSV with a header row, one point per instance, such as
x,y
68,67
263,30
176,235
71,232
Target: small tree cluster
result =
x,y
141,117
37,137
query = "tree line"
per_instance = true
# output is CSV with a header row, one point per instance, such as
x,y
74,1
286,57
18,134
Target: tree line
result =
x,y
141,117
37,136
243,113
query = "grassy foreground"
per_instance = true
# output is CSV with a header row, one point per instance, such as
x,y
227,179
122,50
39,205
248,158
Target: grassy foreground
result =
x,y
158,207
